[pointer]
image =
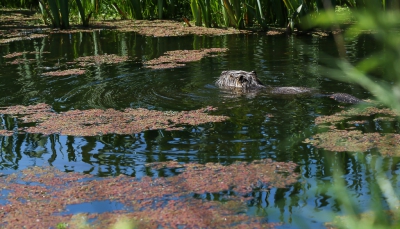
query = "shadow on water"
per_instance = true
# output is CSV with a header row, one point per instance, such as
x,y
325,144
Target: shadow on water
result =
x,y
260,126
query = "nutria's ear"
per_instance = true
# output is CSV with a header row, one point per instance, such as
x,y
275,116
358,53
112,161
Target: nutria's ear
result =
x,y
254,72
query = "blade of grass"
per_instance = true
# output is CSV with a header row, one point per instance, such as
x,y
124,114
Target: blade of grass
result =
x,y
196,12
160,4
136,9
231,14
55,13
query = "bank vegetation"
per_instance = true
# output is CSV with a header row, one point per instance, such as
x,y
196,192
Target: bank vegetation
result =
x,y
240,14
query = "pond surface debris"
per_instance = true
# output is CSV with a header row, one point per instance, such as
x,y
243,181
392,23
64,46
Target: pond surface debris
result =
x,y
39,196
348,132
177,58
94,122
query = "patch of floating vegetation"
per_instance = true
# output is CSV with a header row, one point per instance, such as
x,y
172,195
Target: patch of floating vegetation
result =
x,y
343,115
19,24
16,54
6,132
177,58
101,59
20,54
65,72
100,122
213,177
22,37
165,202
155,28
21,61
164,28
356,140
276,31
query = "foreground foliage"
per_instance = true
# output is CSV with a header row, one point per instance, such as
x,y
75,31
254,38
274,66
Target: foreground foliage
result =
x,y
379,74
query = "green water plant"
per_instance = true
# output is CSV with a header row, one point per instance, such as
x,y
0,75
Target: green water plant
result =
x,y
58,13
85,17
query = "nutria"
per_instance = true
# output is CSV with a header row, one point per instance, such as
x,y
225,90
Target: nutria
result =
x,y
249,82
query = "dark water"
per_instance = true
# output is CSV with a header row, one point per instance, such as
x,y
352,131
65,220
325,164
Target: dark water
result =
x,y
249,134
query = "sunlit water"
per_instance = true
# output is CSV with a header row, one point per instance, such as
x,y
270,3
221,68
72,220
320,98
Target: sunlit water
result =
x,y
260,125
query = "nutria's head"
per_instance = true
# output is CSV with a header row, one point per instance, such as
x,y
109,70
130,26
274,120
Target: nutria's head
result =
x,y
239,79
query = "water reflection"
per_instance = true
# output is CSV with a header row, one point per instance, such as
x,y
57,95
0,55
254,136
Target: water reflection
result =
x,y
261,126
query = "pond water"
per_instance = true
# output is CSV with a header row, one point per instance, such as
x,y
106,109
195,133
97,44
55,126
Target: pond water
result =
x,y
260,126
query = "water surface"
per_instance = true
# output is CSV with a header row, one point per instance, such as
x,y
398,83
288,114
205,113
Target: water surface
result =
x,y
260,125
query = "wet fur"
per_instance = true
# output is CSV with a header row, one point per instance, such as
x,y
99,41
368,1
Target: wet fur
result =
x,y
239,79
249,81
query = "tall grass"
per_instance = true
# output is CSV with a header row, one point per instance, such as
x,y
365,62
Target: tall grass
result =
x,y
209,13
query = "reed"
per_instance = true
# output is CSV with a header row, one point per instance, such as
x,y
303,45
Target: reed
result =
x,y
209,13
196,12
64,13
55,13
136,8
84,17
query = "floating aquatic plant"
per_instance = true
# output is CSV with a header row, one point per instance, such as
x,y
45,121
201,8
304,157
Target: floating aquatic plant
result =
x,y
22,37
14,54
240,177
177,58
6,132
164,28
101,59
353,140
99,122
39,196
65,72
346,114
21,61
